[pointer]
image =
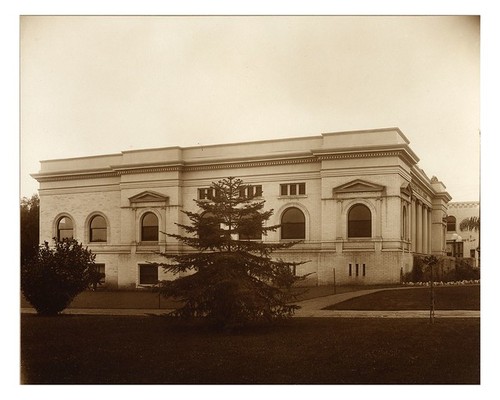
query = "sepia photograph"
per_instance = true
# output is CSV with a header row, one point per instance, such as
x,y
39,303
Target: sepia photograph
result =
x,y
250,200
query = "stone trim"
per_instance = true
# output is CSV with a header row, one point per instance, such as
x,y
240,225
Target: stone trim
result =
x,y
120,170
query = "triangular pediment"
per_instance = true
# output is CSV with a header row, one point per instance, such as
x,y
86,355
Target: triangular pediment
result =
x,y
358,185
406,189
147,197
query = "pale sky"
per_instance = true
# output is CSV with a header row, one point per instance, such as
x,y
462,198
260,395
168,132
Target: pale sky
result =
x,y
99,85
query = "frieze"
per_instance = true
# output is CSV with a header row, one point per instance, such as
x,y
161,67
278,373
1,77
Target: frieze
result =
x,y
416,189
118,171
469,204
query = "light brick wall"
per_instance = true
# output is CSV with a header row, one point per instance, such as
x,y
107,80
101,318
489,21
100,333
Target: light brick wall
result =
x,y
326,246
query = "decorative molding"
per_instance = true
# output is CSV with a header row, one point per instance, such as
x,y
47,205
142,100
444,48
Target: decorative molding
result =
x,y
148,197
367,154
117,171
248,164
406,188
464,204
358,185
48,177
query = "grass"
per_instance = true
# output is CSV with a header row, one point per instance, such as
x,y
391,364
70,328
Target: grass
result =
x,y
445,298
144,299
155,350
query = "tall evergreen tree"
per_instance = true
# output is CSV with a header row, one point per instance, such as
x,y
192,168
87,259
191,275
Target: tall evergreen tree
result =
x,y
231,278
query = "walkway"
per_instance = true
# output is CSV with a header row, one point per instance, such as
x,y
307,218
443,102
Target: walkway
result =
x,y
309,308
314,308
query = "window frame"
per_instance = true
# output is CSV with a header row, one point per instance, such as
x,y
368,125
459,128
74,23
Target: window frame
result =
x,y
293,189
251,191
142,226
102,282
91,230
284,224
58,229
140,274
350,223
452,223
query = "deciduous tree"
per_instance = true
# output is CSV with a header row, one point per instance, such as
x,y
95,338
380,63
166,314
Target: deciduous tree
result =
x,y
52,278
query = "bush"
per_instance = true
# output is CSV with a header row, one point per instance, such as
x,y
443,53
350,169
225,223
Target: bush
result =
x,y
461,269
465,271
54,276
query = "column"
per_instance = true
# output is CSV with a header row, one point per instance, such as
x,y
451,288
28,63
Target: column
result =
x,y
419,227
413,225
339,220
425,230
378,219
429,236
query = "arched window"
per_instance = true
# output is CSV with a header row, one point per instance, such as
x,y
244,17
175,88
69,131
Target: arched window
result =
x,y
359,222
98,229
293,224
451,223
149,228
64,228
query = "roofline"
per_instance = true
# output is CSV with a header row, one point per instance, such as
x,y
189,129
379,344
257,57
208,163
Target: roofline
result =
x,y
201,146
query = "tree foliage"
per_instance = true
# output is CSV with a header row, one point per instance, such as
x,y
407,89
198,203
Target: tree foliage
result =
x,y
470,224
52,278
228,279
30,213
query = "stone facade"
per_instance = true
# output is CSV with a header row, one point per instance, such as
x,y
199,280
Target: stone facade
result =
x,y
325,177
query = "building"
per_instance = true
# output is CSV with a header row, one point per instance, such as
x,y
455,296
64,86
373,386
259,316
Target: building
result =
x,y
358,200
462,243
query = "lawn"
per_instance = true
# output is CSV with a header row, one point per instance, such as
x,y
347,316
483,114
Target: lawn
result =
x,y
154,350
147,299
445,298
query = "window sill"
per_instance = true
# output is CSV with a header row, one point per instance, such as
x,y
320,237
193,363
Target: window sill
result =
x,y
293,196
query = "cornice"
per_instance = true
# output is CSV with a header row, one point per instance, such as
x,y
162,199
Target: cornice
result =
x,y
346,154
317,156
146,170
247,164
52,177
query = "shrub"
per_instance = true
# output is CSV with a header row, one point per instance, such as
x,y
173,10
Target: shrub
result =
x,y
446,270
465,271
52,278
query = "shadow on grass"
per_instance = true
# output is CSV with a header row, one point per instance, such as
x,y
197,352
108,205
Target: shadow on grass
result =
x,y
73,349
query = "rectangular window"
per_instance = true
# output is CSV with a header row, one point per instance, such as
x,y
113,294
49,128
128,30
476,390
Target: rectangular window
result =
x,y
284,190
251,191
473,253
101,268
205,193
357,269
293,189
364,270
148,274
350,269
